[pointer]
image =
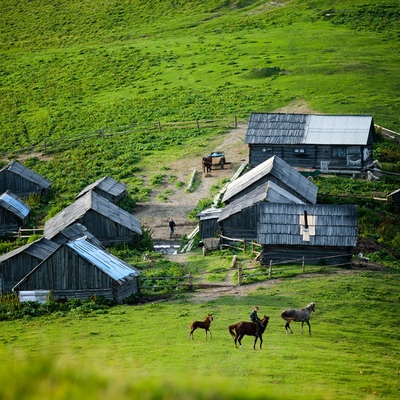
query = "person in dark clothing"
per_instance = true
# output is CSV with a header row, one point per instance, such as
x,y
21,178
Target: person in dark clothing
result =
x,y
171,227
254,318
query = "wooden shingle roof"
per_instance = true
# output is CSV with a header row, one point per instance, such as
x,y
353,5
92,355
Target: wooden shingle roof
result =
x,y
16,168
282,171
97,203
106,184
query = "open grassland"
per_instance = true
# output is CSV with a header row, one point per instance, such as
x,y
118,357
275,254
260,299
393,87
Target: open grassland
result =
x,y
352,353
69,68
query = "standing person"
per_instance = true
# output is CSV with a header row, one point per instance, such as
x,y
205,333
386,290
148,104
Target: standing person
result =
x,y
171,224
256,320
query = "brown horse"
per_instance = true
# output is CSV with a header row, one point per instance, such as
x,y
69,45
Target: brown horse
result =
x,y
207,164
201,324
242,328
302,316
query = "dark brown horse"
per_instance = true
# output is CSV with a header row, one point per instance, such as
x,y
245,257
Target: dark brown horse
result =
x,y
302,316
201,324
242,328
207,164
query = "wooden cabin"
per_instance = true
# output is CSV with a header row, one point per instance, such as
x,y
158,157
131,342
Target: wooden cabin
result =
x,y
105,220
13,213
208,225
107,187
277,171
17,263
79,269
329,143
22,181
239,219
322,233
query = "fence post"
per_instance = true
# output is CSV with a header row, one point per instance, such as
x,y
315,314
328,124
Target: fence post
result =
x,y
159,126
270,268
240,275
244,245
303,266
190,283
197,123
235,257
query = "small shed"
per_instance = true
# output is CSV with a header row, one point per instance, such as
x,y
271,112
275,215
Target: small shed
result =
x,y
105,220
208,226
277,171
22,181
239,218
17,263
330,143
13,213
107,187
79,269
322,233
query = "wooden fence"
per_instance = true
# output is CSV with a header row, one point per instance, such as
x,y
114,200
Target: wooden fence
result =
x,y
67,142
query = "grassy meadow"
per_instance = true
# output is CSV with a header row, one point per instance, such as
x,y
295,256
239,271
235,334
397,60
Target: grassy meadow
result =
x,y
351,354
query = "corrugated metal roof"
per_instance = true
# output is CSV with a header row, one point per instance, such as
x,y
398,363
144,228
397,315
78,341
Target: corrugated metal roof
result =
x,y
17,168
108,263
90,201
334,225
77,231
11,202
282,171
291,129
106,184
210,213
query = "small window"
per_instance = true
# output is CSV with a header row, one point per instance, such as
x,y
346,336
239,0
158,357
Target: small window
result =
x,y
299,151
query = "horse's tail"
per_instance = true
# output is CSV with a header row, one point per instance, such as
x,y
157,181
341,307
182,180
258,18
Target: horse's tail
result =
x,y
232,330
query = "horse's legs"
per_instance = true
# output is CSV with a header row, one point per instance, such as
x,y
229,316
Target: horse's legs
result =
x,y
240,340
261,341
309,327
288,328
191,333
207,330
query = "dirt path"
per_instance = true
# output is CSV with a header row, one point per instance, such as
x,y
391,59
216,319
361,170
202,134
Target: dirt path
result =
x,y
154,214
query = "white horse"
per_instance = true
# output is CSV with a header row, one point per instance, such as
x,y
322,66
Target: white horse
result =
x,y
302,316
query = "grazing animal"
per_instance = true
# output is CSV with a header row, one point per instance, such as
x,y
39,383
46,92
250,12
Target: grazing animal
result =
x,y
242,328
302,316
201,324
207,164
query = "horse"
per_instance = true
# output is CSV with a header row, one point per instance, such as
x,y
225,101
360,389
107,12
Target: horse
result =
x,y
242,328
201,324
207,163
302,316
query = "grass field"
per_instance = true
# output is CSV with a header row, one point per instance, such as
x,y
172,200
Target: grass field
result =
x,y
352,353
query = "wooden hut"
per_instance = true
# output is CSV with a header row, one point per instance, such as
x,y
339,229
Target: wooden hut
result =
x,y
208,226
17,263
79,269
107,187
239,218
106,221
321,233
277,171
13,213
329,143
22,181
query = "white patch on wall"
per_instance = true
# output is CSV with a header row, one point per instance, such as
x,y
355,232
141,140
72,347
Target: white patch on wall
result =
x,y
307,226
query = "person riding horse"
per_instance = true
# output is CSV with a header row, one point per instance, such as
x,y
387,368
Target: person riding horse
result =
x,y
255,320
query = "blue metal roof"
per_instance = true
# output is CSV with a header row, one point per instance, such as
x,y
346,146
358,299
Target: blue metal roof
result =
x,y
14,204
108,263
